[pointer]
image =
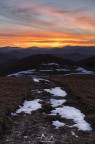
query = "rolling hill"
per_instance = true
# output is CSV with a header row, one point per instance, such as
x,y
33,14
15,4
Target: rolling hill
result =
x,y
75,56
89,62
32,62
5,57
75,53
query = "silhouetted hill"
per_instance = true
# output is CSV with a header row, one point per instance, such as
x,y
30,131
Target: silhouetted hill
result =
x,y
5,58
9,49
75,56
65,51
89,62
33,62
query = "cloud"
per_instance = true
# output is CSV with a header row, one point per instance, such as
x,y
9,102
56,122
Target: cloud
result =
x,y
30,22
86,22
47,39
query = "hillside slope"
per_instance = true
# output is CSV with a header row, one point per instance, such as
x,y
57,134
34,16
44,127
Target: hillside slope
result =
x,y
32,62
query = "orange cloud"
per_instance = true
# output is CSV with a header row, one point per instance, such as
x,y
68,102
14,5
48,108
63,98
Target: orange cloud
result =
x,y
86,22
47,39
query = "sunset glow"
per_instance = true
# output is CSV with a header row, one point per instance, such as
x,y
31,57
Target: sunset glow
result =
x,y
47,23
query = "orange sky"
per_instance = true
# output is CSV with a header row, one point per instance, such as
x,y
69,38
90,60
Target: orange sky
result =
x,y
43,23
48,40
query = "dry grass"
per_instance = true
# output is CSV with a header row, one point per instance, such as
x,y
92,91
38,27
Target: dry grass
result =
x,y
12,93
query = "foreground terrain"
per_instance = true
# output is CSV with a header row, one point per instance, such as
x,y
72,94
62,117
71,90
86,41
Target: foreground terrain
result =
x,y
37,123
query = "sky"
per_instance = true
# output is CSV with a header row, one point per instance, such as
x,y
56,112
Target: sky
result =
x,y
47,23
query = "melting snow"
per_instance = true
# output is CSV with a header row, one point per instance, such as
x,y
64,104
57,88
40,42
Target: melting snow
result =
x,y
73,133
36,80
62,70
50,64
75,114
56,103
37,91
29,106
46,70
22,73
58,124
40,79
57,91
84,71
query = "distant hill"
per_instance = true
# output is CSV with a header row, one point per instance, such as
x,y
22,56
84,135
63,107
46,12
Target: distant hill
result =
x,y
88,50
9,55
33,62
5,58
75,56
9,49
89,62
75,53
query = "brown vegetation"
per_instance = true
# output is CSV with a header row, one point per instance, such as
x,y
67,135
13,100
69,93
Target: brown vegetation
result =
x,y
12,93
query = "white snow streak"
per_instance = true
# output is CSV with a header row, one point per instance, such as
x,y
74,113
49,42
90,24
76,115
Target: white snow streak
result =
x,y
29,106
57,91
75,114
22,73
56,103
58,124
40,79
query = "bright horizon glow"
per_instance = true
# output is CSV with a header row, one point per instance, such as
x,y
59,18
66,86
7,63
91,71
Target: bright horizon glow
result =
x,y
47,23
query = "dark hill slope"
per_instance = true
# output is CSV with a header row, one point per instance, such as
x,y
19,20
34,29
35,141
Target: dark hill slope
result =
x,y
89,62
75,56
33,62
4,57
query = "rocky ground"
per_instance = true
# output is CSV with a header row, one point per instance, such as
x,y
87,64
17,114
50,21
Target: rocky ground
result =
x,y
37,127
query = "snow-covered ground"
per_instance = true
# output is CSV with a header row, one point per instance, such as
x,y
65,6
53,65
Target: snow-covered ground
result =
x,y
84,71
66,112
80,70
57,91
46,70
50,64
74,114
27,72
35,79
64,70
56,103
29,106
58,124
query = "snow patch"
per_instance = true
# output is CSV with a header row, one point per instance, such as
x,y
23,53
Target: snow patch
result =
x,y
84,71
29,106
37,91
36,80
27,72
57,91
58,124
51,64
75,114
46,70
73,133
56,103
62,70
40,79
